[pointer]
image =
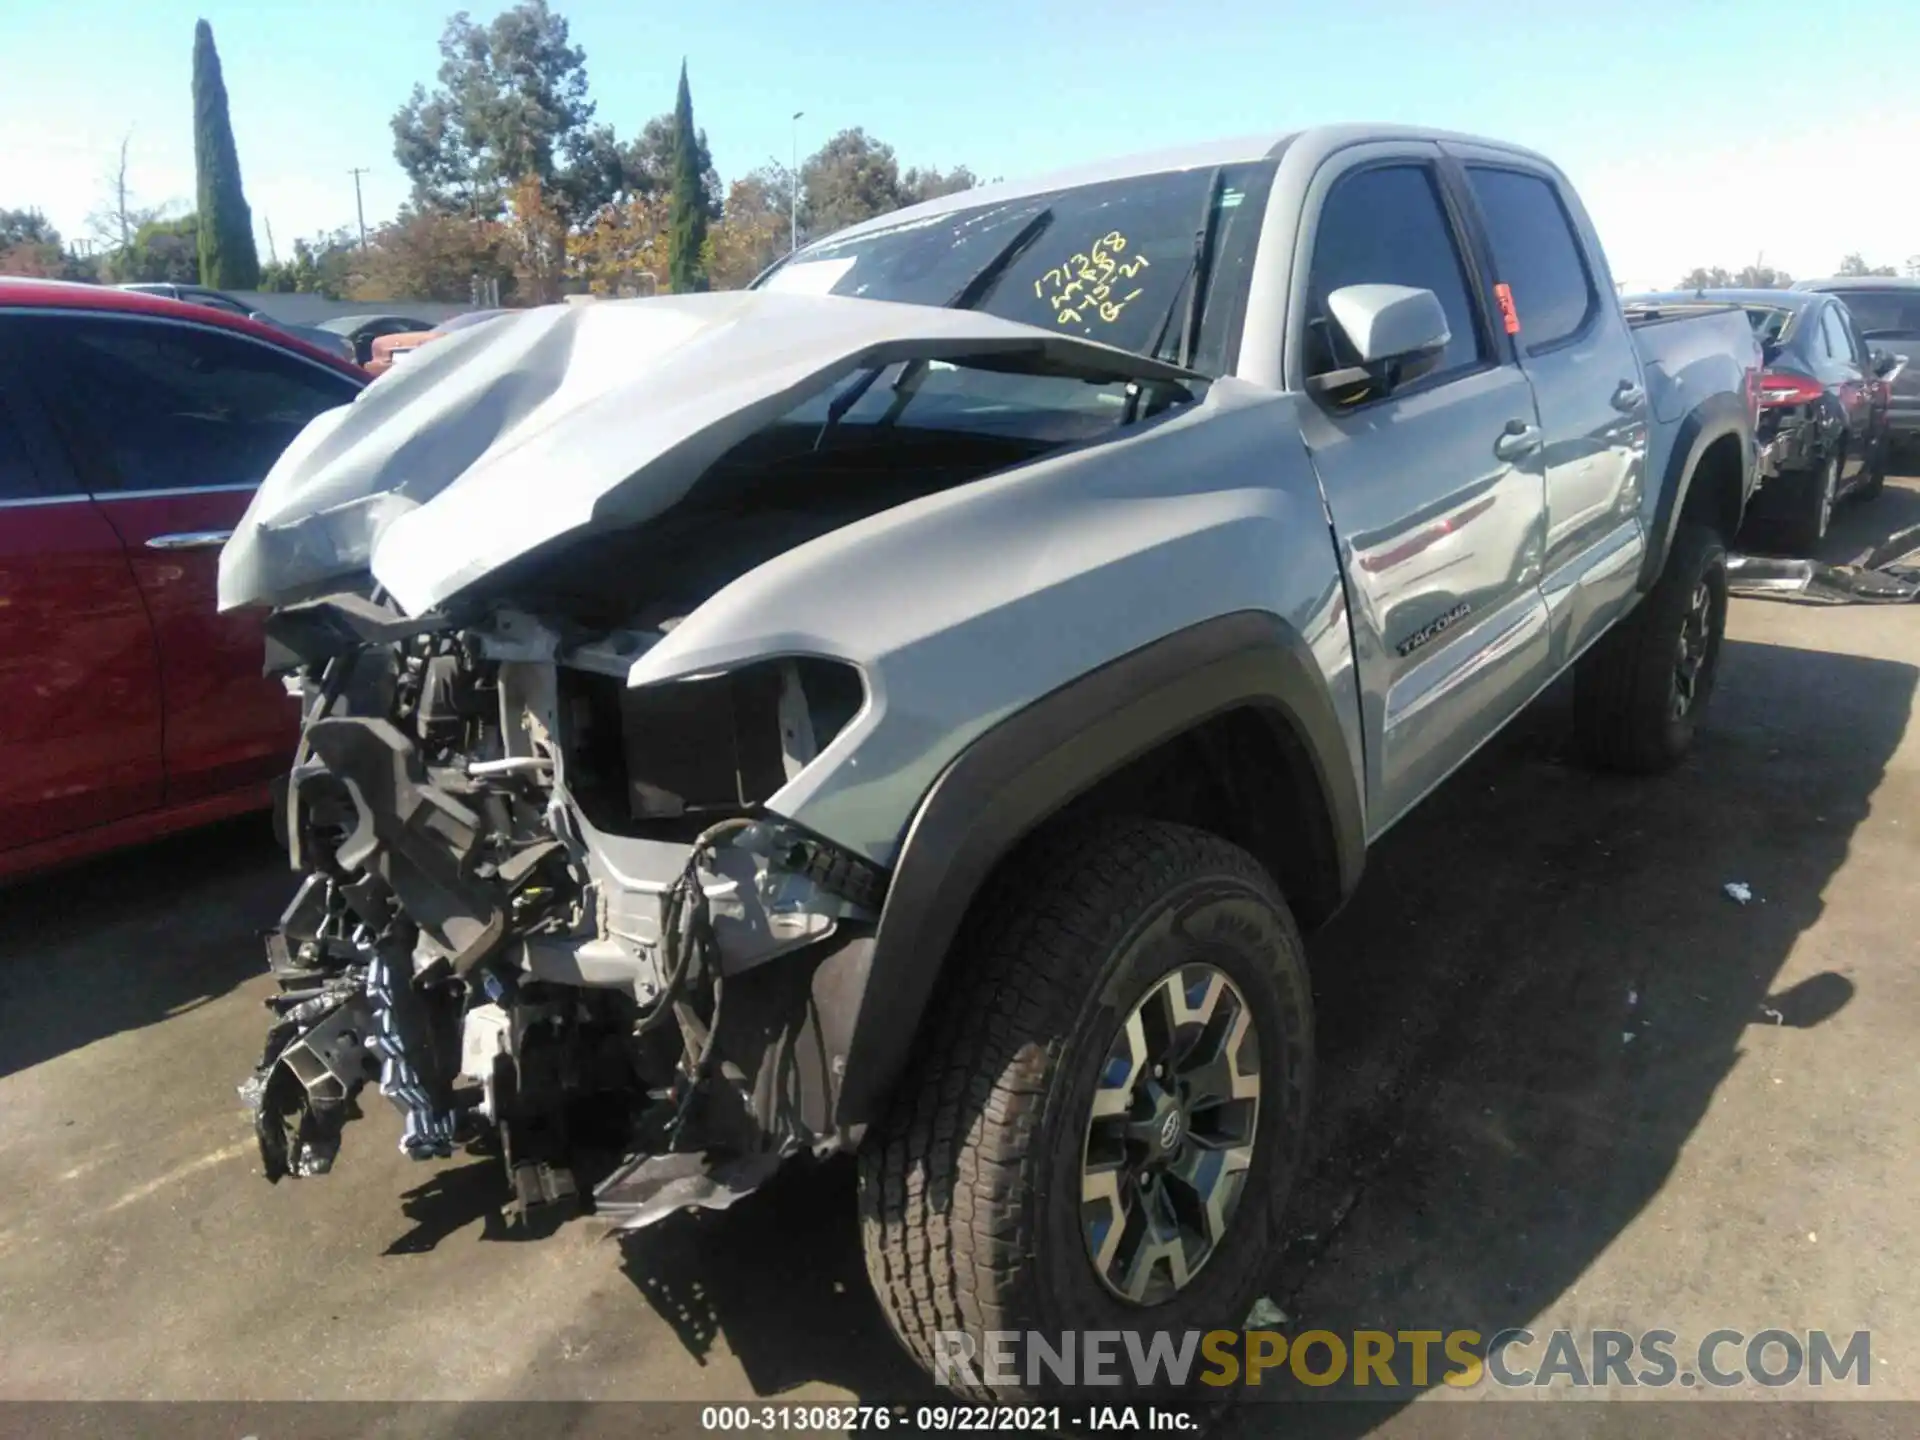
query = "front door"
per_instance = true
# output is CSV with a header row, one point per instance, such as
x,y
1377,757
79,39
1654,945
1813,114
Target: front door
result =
x,y
198,416
1435,489
79,677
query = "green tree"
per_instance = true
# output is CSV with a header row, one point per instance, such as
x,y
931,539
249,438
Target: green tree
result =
x,y
918,184
511,102
687,224
26,227
1701,278
649,163
228,260
321,266
851,178
1855,264
163,251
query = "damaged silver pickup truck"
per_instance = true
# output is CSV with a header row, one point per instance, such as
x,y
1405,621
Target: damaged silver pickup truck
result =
x,y
914,706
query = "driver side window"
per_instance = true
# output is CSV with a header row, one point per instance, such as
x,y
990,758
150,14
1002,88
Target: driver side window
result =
x,y
1386,225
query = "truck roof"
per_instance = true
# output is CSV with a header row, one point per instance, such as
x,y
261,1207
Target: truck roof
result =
x,y
1318,141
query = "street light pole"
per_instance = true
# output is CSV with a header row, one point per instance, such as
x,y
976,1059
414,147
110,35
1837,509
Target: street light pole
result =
x,y
793,189
359,208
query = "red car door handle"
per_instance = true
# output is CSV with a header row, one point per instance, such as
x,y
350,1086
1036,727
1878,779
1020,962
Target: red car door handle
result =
x,y
191,540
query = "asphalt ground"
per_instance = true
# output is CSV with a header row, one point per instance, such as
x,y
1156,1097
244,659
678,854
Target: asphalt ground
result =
x,y
1566,1081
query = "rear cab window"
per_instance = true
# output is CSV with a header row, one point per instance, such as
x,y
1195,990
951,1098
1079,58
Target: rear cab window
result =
x,y
1537,254
1387,225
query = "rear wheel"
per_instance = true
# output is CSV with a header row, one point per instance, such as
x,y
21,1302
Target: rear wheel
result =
x,y
1876,478
1102,1128
1810,505
1639,691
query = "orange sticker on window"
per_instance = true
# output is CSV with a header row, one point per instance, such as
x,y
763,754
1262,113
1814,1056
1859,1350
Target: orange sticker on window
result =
x,y
1508,314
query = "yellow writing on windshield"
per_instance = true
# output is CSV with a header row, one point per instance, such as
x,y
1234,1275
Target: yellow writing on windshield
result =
x,y
1090,284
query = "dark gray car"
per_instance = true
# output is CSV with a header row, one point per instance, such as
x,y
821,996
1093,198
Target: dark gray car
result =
x,y
1887,310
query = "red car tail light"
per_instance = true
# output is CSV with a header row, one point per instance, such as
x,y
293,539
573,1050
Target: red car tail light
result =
x,y
1777,389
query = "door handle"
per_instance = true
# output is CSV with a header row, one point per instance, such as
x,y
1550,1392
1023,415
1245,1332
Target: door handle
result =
x,y
191,540
1517,441
1628,396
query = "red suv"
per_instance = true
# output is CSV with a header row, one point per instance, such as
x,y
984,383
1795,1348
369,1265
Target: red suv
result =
x,y
133,431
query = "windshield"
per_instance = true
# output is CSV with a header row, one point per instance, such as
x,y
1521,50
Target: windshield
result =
x,y
1111,263
1884,312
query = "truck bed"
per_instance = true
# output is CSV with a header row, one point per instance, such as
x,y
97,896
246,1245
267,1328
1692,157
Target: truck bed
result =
x,y
1689,350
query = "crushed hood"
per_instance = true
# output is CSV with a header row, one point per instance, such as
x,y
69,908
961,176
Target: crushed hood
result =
x,y
567,419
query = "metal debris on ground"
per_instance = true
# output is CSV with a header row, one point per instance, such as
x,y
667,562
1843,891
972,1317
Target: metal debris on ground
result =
x,y
1889,574
1738,890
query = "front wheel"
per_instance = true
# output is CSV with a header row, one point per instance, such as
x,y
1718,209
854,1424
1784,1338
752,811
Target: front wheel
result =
x,y
1101,1130
1639,691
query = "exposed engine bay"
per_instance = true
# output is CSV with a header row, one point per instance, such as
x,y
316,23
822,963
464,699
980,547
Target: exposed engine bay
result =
x,y
536,906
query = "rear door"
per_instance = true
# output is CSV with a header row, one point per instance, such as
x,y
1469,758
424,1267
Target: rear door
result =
x,y
1576,348
1852,384
173,425
1435,489
80,728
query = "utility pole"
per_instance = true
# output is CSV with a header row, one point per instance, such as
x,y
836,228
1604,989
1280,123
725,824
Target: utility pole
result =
x,y
793,189
359,208
273,255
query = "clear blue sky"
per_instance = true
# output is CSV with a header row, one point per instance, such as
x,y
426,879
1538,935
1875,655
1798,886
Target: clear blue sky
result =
x,y
1698,132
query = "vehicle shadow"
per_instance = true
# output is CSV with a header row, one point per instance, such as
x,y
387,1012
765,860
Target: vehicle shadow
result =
x,y
1531,1003
102,947
1484,1130
780,1279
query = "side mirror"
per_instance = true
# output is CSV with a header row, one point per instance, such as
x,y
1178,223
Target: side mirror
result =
x,y
1397,333
1770,351
1885,362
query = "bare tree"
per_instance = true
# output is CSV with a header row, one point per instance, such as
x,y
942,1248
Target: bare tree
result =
x,y
117,221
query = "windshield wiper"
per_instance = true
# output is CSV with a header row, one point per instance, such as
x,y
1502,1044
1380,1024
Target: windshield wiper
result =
x,y
968,297
1199,270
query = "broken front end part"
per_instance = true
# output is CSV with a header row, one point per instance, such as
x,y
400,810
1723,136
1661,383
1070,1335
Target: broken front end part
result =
x,y
551,915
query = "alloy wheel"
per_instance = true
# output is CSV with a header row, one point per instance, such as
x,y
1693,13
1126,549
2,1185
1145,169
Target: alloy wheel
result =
x,y
1170,1134
1696,638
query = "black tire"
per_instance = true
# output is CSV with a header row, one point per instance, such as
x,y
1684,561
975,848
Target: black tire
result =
x,y
1630,713
1810,502
970,1192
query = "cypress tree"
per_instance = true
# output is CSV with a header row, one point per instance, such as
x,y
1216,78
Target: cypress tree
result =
x,y
228,259
687,219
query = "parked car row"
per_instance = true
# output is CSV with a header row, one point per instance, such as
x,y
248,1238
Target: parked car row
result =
x,y
1836,395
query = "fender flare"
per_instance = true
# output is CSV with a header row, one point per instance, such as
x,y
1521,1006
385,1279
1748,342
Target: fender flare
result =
x,y
1713,419
1020,773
